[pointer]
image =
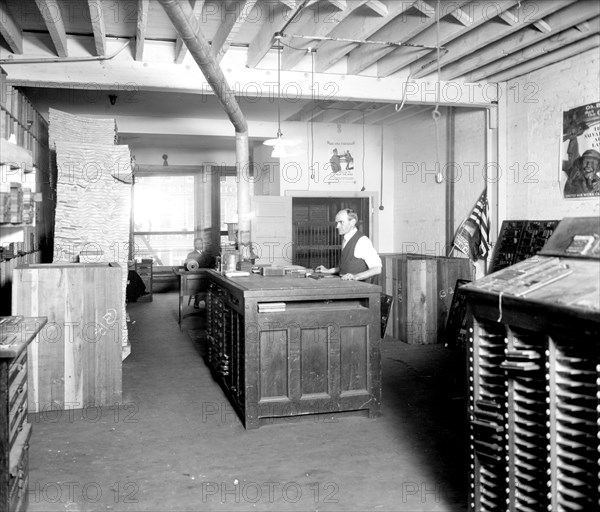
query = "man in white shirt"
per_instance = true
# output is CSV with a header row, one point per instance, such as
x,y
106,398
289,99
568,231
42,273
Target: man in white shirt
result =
x,y
359,260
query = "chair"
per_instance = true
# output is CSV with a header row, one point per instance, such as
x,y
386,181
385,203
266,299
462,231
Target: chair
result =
x,y
386,307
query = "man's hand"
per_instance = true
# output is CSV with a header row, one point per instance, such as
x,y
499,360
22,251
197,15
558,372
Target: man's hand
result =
x,y
349,277
322,269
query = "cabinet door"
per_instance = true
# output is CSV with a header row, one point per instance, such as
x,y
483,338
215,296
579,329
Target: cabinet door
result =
x,y
322,365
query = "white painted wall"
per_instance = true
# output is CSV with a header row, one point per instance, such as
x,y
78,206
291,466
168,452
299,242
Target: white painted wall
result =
x,y
180,156
534,106
419,202
314,149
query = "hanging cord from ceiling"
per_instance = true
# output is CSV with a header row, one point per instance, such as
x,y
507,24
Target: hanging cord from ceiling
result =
x,y
363,152
381,207
436,115
279,48
312,95
399,108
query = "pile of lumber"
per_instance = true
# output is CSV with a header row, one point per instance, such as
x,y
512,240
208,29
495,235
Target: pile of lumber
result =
x,y
93,195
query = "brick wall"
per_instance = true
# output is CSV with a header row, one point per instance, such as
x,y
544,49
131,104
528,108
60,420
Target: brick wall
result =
x,y
534,111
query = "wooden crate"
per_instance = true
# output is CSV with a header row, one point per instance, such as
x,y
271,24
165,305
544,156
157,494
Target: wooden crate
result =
x,y
422,287
76,362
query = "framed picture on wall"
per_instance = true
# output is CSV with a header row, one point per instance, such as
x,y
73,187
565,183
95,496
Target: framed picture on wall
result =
x,y
580,152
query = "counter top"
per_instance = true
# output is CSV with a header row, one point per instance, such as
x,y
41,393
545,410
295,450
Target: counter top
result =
x,y
255,284
17,332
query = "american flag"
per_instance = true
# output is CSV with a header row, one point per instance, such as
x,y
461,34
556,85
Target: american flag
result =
x,y
473,236
479,216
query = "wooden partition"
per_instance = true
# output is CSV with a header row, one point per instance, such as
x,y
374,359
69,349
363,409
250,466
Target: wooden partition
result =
x,y
422,288
76,360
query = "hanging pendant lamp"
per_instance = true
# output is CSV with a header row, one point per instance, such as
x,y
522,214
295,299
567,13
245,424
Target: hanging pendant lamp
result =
x,y
278,143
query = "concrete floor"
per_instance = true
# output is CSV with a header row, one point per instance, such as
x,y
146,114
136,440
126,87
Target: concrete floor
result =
x,y
174,443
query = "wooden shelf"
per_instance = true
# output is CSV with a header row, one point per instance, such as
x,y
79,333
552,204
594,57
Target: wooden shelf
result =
x,y
15,156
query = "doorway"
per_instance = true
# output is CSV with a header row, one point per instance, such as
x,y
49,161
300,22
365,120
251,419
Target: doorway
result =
x,y
315,239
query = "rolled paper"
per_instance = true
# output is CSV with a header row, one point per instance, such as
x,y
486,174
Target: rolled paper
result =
x,y
192,265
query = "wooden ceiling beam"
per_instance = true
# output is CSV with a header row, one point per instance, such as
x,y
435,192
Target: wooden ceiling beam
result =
x,y
489,33
563,53
462,17
339,4
265,38
409,111
550,45
402,29
380,113
362,109
378,7
542,26
320,22
509,17
335,111
357,27
10,30
98,27
234,16
583,27
479,13
53,19
180,47
561,20
140,28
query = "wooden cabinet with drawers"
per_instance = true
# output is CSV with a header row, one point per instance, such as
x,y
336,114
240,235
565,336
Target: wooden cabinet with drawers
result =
x,y
534,375
284,347
15,431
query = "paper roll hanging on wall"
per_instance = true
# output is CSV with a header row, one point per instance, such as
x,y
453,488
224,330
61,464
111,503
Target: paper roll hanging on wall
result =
x,y
192,265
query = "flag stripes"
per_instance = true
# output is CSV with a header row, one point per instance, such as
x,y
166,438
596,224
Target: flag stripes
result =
x,y
479,216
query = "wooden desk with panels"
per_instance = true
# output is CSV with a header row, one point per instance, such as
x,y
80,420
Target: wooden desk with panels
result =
x,y
283,347
15,431
534,371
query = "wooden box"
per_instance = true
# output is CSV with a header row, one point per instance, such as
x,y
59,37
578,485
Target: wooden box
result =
x,y
76,361
422,288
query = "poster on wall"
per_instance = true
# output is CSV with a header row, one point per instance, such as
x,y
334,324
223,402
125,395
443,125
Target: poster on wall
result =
x,y
339,157
580,152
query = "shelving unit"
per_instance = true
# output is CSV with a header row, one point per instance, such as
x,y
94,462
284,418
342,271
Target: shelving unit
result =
x,y
520,239
24,161
534,360
24,177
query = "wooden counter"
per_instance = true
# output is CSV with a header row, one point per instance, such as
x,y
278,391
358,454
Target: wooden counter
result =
x,y
16,333
287,346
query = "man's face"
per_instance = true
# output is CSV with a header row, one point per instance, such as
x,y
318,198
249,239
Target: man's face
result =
x,y
343,224
590,167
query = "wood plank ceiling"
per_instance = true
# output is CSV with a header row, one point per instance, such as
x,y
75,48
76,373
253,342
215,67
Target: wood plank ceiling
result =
x,y
466,41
